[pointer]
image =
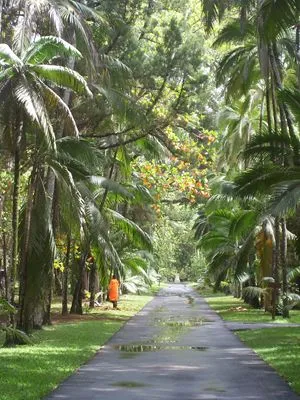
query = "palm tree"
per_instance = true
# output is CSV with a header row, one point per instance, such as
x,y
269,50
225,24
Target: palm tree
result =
x,y
29,101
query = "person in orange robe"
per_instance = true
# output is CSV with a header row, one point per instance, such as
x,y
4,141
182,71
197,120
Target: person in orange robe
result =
x,y
113,291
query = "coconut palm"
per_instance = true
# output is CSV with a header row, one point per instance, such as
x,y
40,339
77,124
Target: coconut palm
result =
x,y
30,101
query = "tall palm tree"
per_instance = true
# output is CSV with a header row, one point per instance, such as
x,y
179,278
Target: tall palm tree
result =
x,y
30,101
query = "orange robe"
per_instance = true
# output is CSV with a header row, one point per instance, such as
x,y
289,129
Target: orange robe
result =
x,y
113,290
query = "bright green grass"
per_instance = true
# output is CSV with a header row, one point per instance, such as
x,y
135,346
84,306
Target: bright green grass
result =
x,y
279,347
232,309
30,372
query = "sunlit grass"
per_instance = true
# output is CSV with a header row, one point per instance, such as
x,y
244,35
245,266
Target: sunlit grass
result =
x,y
279,347
30,372
232,309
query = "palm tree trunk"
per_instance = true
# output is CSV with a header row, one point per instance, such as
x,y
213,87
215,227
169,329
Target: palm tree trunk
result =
x,y
15,207
23,315
276,263
4,255
92,284
285,312
268,106
52,191
66,277
76,307
298,52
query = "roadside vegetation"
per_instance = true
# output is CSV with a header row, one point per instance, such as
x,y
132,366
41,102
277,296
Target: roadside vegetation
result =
x,y
236,310
29,372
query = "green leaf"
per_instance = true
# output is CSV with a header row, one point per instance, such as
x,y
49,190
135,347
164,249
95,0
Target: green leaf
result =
x,y
48,47
134,233
63,77
7,56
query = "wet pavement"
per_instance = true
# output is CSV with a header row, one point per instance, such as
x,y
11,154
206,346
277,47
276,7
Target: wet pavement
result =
x,y
176,348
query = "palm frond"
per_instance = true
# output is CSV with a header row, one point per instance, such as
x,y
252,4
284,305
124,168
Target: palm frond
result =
x,y
46,48
242,255
278,16
110,185
213,11
269,145
232,33
63,77
133,232
285,197
293,274
258,179
242,223
254,292
7,56
292,98
34,106
53,100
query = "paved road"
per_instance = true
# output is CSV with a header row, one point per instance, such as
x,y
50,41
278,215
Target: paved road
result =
x,y
188,354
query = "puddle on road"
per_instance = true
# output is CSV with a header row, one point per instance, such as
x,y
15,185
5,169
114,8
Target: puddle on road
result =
x,y
191,300
142,348
160,309
215,389
129,384
189,323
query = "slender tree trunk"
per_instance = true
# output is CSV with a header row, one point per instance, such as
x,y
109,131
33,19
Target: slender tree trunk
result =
x,y
15,206
76,307
285,312
57,282
4,255
1,16
92,284
298,52
53,209
261,114
66,277
276,264
274,105
268,104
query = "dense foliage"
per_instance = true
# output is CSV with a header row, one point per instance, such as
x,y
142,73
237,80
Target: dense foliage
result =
x,y
107,137
249,227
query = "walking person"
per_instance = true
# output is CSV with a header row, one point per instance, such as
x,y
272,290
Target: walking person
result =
x,y
113,291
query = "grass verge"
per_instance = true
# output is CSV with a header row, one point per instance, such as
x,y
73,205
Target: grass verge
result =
x,y
280,348
30,372
232,309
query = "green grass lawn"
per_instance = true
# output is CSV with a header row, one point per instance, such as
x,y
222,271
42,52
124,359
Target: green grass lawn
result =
x,y
30,372
232,309
279,347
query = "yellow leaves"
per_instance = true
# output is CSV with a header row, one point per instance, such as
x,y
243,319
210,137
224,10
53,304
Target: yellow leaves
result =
x,y
58,265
